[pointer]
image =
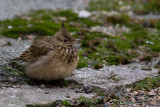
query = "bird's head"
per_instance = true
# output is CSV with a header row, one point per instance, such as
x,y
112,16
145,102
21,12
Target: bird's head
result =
x,y
64,38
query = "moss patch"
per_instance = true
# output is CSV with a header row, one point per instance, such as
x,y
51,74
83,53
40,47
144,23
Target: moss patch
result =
x,y
138,7
83,61
85,101
147,84
66,103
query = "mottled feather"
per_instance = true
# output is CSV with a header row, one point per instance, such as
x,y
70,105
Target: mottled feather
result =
x,y
40,47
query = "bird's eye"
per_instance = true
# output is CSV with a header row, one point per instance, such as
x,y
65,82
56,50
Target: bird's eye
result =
x,y
65,40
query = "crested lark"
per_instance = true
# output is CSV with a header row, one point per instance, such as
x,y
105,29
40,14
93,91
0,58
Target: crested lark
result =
x,y
51,57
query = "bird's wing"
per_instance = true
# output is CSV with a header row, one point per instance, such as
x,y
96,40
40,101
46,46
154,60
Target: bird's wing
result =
x,y
40,47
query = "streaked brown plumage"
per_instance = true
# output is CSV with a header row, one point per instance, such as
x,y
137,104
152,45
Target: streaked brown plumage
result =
x,y
51,57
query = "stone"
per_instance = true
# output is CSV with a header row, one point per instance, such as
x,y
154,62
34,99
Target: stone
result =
x,y
10,79
42,86
151,93
135,92
84,13
158,97
146,68
128,90
140,92
100,78
158,90
87,88
46,92
110,30
67,96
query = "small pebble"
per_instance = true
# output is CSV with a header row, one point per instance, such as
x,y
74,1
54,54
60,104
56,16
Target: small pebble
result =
x,y
29,36
135,92
78,91
46,92
14,86
9,27
67,96
87,88
128,90
42,86
10,79
3,87
158,97
151,93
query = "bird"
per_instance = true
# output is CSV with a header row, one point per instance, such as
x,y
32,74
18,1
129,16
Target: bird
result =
x,y
51,57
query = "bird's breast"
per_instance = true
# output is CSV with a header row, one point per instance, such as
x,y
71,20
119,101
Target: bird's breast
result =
x,y
57,64
67,55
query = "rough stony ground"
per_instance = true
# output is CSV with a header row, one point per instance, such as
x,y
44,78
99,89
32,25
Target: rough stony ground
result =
x,y
112,78
9,8
142,98
19,97
13,51
108,78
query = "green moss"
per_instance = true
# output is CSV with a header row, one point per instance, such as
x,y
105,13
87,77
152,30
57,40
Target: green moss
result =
x,y
16,71
69,14
17,66
117,79
15,22
13,71
66,103
97,66
147,84
65,82
118,19
113,60
114,51
148,58
88,22
114,96
83,61
145,8
42,23
139,7
100,5
158,25
38,28
155,47
85,101
99,92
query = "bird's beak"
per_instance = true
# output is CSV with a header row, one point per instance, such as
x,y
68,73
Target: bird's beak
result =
x,y
77,40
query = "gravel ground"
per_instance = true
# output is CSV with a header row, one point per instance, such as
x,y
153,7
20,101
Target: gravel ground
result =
x,y
25,94
135,99
113,78
10,52
9,8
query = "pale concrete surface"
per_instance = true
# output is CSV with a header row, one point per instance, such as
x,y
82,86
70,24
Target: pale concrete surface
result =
x,y
9,8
